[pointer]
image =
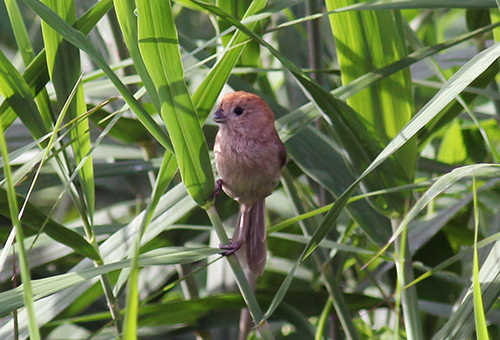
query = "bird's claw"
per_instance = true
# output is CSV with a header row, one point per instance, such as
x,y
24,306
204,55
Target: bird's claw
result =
x,y
217,190
230,248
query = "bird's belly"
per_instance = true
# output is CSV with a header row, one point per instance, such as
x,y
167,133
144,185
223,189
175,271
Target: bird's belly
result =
x,y
247,179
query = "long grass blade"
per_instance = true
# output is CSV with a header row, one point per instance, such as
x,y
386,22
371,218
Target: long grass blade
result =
x,y
158,42
479,314
16,224
76,38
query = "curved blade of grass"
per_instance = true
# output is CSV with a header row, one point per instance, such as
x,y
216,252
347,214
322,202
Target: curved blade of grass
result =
x,y
437,188
13,299
16,223
35,219
461,325
18,94
173,205
316,155
456,107
76,38
450,90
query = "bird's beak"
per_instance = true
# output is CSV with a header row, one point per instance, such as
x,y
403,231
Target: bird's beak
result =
x,y
219,117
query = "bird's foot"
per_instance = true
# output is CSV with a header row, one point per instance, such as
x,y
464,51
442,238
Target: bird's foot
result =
x,y
230,248
217,190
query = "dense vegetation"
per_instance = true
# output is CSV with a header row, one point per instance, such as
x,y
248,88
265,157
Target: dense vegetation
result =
x,y
386,222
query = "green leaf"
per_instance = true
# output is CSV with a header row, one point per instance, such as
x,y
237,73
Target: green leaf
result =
x,y
76,38
37,221
479,313
449,91
127,130
159,46
321,159
18,94
367,41
16,224
13,299
128,24
63,61
36,74
452,150
420,4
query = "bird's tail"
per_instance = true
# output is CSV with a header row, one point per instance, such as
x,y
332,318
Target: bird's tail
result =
x,y
251,234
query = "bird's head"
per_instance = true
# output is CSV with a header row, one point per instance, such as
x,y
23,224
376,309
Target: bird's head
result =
x,y
243,111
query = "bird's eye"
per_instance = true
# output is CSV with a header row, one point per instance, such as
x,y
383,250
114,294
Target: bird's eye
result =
x,y
238,110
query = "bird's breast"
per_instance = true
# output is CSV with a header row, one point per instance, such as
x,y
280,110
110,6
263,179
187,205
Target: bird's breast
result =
x,y
249,168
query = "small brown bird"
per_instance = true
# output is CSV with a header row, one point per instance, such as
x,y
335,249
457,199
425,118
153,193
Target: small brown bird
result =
x,y
249,156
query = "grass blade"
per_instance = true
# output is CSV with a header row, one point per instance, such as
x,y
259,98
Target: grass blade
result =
x,y
16,223
18,94
158,42
479,315
76,38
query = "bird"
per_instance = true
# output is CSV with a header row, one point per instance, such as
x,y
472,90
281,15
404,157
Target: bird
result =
x,y
249,156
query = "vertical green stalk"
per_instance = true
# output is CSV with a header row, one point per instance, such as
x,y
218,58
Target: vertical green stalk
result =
x,y
479,316
323,319
407,297
14,211
241,280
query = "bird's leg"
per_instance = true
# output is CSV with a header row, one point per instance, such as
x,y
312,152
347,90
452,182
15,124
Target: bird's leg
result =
x,y
239,235
233,245
230,248
217,190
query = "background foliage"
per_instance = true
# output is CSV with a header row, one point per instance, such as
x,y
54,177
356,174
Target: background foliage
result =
x,y
385,225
